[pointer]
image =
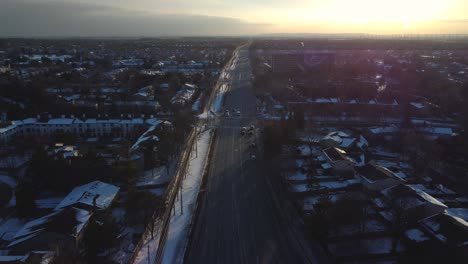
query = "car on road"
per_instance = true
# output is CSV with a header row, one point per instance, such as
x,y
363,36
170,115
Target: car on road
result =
x,y
253,157
238,113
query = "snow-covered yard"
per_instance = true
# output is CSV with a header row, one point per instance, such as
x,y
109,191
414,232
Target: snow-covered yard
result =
x,y
416,235
154,177
299,188
297,176
333,185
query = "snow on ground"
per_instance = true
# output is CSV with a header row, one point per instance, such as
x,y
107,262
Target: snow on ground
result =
x,y
297,176
49,203
337,184
197,105
10,227
394,164
218,100
152,177
304,150
302,163
179,225
416,235
300,187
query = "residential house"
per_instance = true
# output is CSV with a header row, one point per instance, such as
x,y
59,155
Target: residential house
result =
x,y
62,226
412,203
448,230
95,195
338,160
376,178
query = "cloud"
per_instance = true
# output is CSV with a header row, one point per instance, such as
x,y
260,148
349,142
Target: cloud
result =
x,y
20,18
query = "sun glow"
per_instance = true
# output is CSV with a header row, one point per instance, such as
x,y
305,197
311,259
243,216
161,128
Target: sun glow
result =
x,y
369,15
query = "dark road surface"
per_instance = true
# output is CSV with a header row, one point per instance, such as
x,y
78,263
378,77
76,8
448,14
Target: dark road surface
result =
x,y
239,221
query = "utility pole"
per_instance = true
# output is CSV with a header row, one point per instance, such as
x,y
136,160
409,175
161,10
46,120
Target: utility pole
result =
x,y
181,200
196,143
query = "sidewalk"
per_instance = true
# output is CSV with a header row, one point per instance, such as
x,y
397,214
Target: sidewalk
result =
x,y
180,222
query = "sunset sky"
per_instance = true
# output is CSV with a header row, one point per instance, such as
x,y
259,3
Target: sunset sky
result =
x,y
227,17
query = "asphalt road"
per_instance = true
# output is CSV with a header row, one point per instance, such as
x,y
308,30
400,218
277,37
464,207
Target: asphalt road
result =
x,y
239,220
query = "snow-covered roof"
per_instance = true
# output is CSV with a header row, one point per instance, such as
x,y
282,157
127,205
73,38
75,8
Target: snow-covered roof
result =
x,y
146,136
13,259
437,130
382,130
458,212
362,142
447,228
102,192
339,137
36,226
347,142
61,121
373,172
411,197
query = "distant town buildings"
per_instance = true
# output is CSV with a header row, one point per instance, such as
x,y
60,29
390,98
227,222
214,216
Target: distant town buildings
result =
x,y
302,62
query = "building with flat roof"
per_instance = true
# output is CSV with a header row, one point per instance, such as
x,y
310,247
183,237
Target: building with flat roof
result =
x,y
376,178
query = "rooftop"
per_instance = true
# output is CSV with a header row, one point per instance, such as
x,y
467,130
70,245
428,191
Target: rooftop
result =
x,y
374,172
102,193
335,154
447,228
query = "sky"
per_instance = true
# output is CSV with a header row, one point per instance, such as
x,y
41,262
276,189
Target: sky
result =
x,y
128,18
